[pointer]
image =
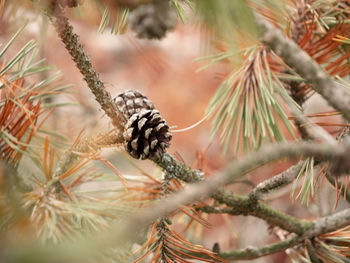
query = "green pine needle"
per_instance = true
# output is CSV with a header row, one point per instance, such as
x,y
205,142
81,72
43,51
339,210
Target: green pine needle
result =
x,y
307,190
118,25
180,10
247,107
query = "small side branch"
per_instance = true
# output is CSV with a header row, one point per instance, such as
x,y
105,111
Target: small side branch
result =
x,y
83,146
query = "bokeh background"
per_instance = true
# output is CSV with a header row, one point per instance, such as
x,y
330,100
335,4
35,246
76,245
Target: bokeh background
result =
x,y
166,72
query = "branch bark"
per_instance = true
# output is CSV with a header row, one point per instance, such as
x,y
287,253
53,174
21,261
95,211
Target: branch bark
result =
x,y
82,61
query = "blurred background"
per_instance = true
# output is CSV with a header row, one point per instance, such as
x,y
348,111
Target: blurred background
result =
x,y
166,71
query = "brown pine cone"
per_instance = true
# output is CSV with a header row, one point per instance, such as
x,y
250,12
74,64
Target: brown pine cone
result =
x,y
64,3
146,134
153,20
131,101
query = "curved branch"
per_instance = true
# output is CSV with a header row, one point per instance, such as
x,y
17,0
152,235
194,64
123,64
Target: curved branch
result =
x,y
126,230
245,205
320,226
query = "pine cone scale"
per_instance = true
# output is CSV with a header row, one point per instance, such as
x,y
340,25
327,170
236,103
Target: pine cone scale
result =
x,y
148,133
131,102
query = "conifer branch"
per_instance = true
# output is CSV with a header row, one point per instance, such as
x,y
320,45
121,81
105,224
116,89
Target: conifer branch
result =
x,y
82,61
128,229
166,161
243,205
305,66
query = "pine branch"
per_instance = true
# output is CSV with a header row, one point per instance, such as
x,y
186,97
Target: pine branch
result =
x,y
82,61
128,229
243,205
304,65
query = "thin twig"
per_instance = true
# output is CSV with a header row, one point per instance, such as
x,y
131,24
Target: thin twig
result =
x,y
84,146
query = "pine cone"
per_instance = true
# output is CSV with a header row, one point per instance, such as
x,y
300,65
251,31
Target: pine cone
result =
x,y
146,134
131,102
64,3
153,20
